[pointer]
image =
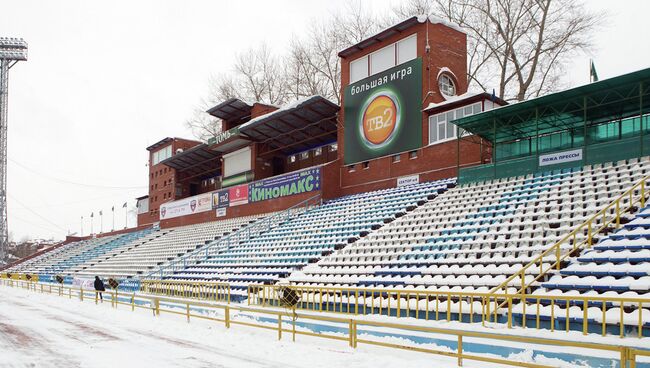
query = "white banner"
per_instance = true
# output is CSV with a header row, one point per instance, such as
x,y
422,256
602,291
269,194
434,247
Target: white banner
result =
x,y
186,206
560,157
85,283
221,212
408,180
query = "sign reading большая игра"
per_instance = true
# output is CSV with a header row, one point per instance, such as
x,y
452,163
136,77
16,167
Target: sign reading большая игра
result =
x,y
383,113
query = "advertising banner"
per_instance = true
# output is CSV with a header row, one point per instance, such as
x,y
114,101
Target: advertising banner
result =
x,y
238,195
85,283
186,206
560,157
285,185
221,199
383,113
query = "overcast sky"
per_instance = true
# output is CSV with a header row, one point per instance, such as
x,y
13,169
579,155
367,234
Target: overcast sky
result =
x,y
106,79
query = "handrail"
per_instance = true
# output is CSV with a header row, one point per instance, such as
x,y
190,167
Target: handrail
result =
x,y
236,237
588,226
469,307
286,323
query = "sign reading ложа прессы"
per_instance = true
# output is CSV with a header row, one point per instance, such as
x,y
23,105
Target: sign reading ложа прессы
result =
x,y
560,157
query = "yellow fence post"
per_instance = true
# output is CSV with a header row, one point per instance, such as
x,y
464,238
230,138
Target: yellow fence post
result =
x,y
351,333
81,293
188,312
227,318
279,327
460,350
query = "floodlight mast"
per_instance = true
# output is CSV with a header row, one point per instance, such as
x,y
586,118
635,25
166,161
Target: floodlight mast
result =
x,y
12,50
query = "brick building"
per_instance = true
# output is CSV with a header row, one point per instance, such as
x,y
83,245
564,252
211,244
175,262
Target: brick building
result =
x,y
400,89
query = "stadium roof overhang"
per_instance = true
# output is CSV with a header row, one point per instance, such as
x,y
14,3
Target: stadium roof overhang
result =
x,y
232,110
196,162
610,99
299,126
381,36
160,143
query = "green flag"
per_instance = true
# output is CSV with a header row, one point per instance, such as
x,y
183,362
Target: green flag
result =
x,y
593,76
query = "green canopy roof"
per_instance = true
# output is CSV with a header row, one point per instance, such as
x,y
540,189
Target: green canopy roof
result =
x,y
610,99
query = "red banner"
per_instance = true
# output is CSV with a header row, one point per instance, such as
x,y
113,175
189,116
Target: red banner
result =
x,y
238,195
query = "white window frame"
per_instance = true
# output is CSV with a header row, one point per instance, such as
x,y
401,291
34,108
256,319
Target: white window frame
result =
x,y
446,123
444,87
367,59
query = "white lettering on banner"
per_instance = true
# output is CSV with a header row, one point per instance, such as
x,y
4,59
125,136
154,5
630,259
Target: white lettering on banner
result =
x,y
399,74
186,206
408,180
221,212
560,157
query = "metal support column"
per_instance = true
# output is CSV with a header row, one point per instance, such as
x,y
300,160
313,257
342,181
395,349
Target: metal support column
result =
x,y
12,50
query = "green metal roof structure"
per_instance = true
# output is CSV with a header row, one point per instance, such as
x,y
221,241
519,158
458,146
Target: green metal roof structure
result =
x,y
605,121
615,98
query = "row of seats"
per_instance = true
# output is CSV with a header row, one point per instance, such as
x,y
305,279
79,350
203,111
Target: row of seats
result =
x,y
169,244
312,235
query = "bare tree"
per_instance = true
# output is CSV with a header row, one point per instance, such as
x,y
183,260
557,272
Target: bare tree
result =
x,y
519,46
316,53
257,76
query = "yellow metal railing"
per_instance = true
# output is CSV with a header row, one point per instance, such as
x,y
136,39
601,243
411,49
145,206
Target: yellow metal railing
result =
x,y
213,291
587,313
627,356
19,276
580,237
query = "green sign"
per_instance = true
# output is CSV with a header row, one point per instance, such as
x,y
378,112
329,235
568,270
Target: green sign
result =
x,y
383,113
223,136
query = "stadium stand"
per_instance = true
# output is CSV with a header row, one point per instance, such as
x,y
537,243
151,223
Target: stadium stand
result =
x,y
472,239
174,242
41,263
305,239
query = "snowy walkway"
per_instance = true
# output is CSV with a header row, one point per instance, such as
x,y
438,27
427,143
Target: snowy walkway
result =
x,y
51,331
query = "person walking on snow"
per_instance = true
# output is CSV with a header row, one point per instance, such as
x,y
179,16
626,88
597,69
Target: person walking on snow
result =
x,y
99,287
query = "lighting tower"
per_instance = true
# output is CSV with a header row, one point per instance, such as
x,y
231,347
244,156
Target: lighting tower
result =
x,y
12,50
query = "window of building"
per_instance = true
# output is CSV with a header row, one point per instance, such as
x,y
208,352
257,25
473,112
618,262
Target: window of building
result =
x,y
440,127
384,58
413,154
446,85
351,168
237,162
292,159
318,151
161,155
358,69
396,158
365,165
334,147
407,49
304,155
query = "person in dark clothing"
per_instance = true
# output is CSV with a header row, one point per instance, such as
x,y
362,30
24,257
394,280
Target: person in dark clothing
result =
x,y
99,287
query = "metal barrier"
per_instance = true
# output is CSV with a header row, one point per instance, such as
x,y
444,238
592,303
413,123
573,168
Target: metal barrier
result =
x,y
213,291
233,239
583,313
627,355
581,237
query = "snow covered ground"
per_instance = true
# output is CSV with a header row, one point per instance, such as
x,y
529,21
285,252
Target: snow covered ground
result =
x,y
50,331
